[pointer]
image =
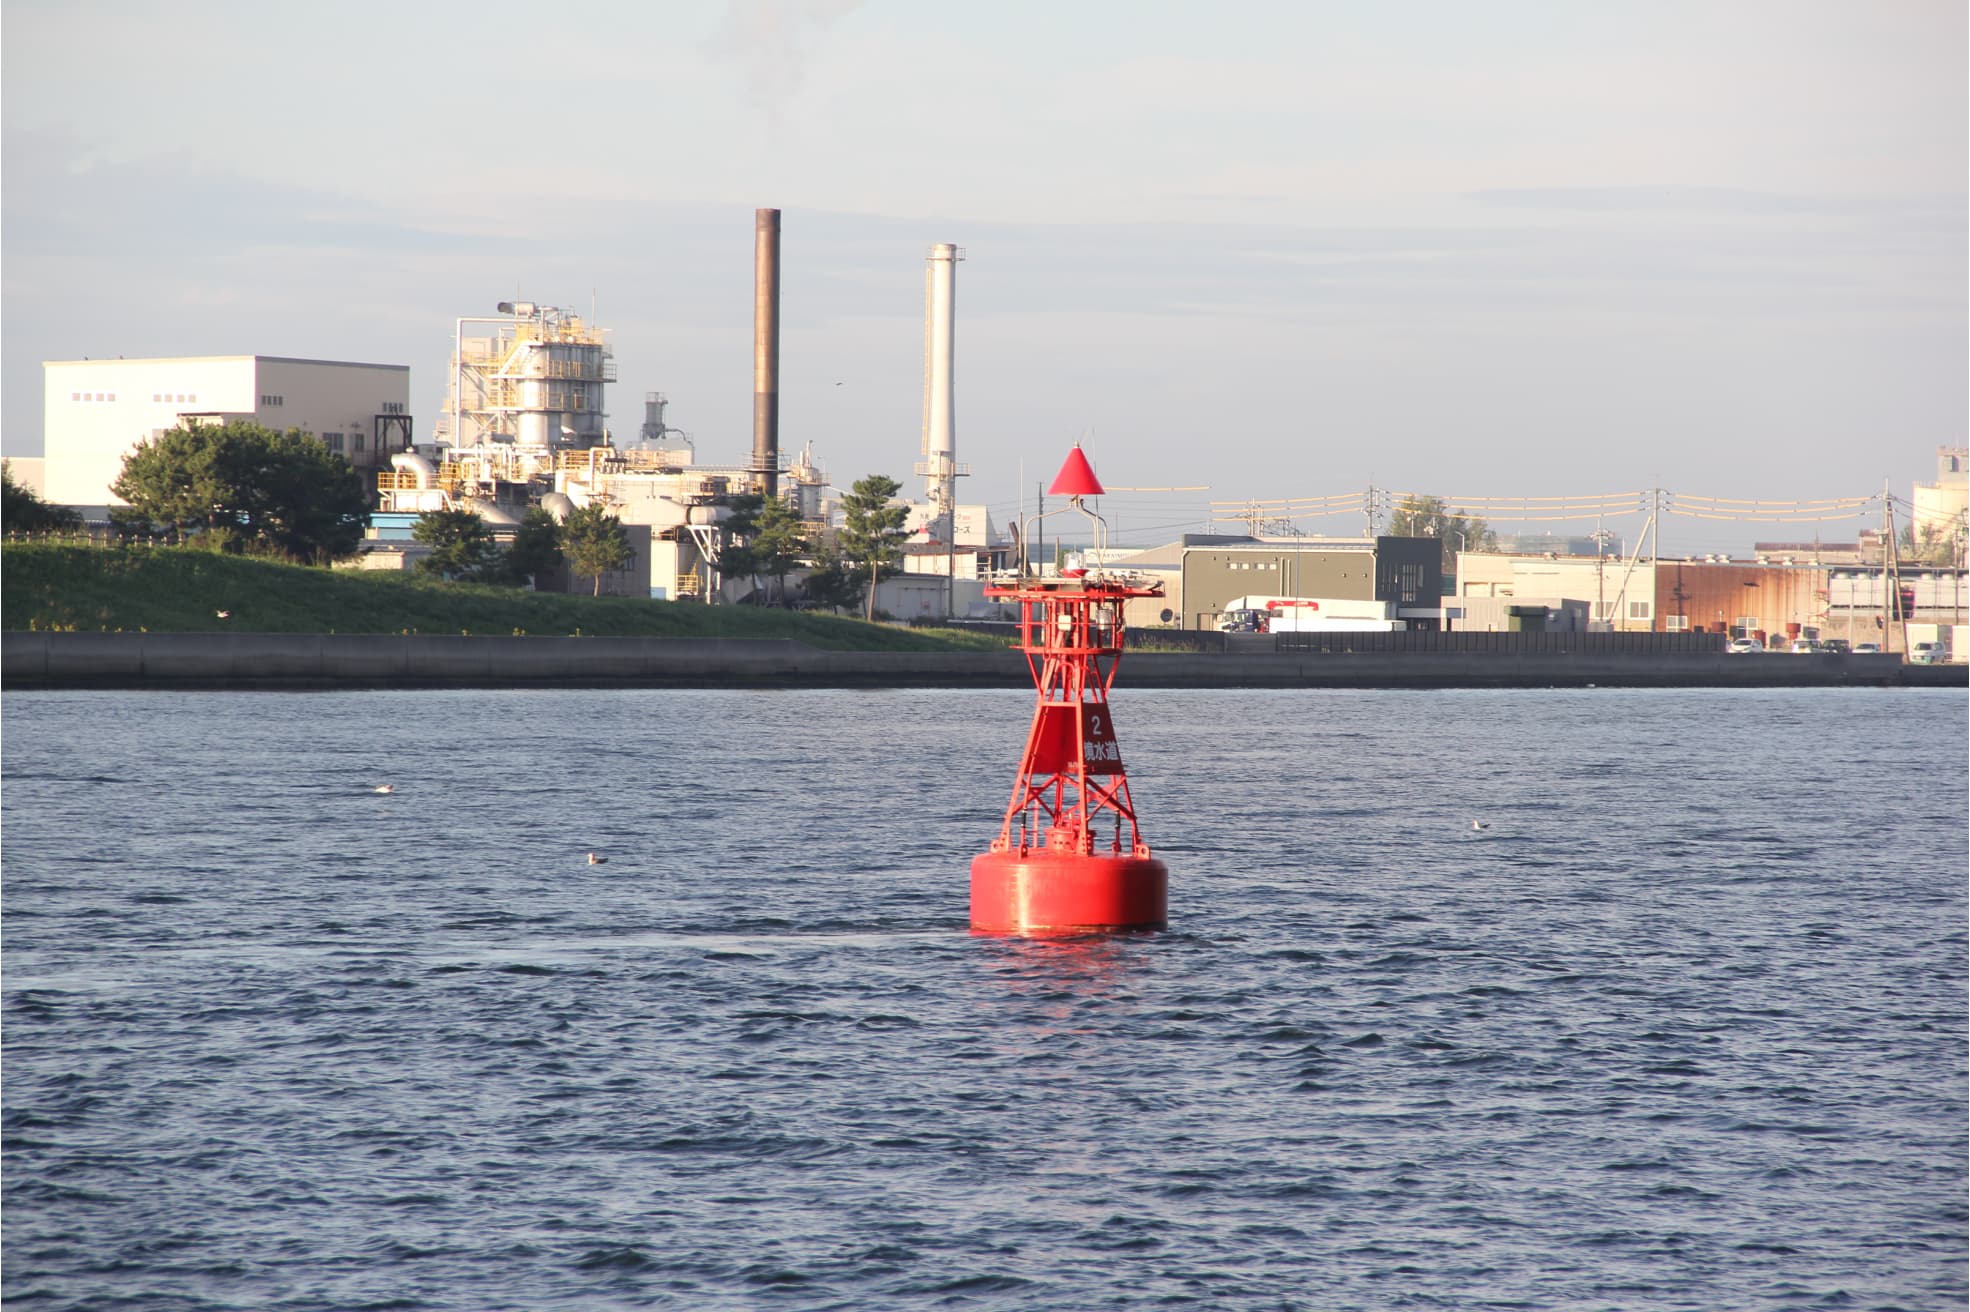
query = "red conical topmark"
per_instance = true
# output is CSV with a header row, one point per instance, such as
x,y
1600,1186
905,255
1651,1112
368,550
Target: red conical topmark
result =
x,y
1076,477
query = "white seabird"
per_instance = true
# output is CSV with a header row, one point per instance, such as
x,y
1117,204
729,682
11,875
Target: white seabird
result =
x,y
597,859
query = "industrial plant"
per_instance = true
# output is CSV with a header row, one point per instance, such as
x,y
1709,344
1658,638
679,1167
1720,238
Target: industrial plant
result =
x,y
526,425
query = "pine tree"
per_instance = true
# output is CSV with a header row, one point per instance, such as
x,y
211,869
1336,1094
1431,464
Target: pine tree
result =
x,y
536,548
462,547
872,530
779,542
246,487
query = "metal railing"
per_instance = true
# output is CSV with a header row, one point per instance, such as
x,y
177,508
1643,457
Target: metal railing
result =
x,y
1423,640
94,535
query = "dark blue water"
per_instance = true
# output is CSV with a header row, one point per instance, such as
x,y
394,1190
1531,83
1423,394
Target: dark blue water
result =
x,y
1684,1027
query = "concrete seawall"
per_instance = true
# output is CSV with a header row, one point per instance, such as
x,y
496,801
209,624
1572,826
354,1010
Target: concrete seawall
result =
x,y
314,661
127,660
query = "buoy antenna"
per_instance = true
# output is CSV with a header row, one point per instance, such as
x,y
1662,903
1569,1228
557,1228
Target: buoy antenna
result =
x,y
1075,481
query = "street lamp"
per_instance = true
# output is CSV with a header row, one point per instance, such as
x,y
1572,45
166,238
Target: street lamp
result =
x,y
1440,530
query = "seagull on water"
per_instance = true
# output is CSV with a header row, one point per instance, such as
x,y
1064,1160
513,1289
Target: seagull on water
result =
x,y
1479,824
597,859
384,788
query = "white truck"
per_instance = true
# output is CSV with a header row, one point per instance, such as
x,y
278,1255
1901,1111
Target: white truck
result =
x,y
1265,614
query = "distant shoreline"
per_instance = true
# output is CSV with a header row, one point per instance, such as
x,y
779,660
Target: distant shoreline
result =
x,y
312,662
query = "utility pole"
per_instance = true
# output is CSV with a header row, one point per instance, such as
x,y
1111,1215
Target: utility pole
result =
x,y
1655,555
1891,568
1888,546
1957,568
1600,569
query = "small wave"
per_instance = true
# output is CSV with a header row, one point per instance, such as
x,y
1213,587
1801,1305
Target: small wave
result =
x,y
773,1276
616,1258
995,1284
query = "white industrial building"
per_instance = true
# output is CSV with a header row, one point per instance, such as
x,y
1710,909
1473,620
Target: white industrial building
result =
x,y
1939,508
97,411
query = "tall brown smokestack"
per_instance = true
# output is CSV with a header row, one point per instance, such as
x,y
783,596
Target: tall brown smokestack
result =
x,y
766,349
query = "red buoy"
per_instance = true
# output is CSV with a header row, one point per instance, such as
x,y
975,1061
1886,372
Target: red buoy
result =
x,y
1069,858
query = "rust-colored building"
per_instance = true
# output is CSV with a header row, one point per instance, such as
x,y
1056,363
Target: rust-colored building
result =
x,y
1664,596
1719,597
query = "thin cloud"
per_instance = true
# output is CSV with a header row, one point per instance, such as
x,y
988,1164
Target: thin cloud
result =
x,y
1703,200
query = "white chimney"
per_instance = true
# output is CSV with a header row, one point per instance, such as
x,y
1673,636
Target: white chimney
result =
x,y
939,465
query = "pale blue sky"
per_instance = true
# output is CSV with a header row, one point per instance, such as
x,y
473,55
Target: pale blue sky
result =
x,y
1500,248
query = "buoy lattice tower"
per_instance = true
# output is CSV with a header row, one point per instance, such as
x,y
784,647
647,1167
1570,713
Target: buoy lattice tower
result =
x,y
1070,857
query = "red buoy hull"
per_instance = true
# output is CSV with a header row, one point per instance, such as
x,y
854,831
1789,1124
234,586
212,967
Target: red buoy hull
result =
x,y
1043,892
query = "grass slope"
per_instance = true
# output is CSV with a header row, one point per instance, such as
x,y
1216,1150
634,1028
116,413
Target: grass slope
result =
x,y
181,590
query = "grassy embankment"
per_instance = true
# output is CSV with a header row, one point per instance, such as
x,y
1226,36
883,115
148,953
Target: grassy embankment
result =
x,y
182,589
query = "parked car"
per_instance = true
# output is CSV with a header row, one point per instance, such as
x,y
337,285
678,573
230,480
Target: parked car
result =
x,y
1803,647
1243,621
1744,646
1836,645
1870,648
1927,653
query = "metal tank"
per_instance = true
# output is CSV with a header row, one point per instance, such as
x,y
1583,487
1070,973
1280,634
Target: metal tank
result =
x,y
535,377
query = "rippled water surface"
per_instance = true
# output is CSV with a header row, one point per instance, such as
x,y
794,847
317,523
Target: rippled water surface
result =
x,y
1683,1027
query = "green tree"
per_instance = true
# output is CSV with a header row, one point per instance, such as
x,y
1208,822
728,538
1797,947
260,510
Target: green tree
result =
x,y
737,558
1428,517
462,547
249,487
22,510
307,503
595,542
181,481
872,533
536,548
779,542
1939,543
833,582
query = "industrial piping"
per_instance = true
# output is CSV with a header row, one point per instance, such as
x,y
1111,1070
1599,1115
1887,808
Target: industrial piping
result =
x,y
766,350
